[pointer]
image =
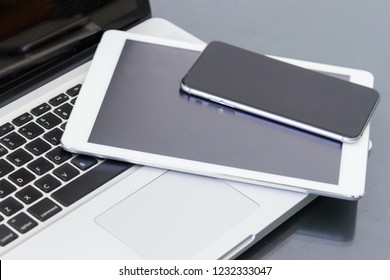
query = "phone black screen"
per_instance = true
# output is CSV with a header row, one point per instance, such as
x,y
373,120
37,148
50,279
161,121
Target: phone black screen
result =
x,y
276,87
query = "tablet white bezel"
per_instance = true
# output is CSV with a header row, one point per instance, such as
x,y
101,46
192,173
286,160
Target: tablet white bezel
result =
x,y
353,159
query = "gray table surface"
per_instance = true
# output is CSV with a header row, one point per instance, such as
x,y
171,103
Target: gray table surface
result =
x,y
349,33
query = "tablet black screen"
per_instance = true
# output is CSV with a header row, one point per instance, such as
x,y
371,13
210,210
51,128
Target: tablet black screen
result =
x,y
144,110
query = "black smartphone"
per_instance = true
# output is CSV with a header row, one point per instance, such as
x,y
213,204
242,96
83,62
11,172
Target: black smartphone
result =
x,y
280,91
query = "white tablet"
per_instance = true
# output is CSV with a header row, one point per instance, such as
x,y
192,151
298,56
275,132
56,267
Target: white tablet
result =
x,y
131,108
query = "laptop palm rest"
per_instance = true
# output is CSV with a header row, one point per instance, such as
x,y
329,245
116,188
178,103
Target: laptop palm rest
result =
x,y
176,216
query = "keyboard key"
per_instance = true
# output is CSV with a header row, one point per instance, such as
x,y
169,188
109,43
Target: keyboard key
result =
x,y
19,157
3,151
6,235
66,172
54,136
1,218
10,206
21,177
74,90
58,155
31,130
44,209
40,166
49,120
62,126
73,101
28,194
39,110
59,99
22,119
64,111
84,162
13,141
5,168
47,183
6,128
89,181
38,147
6,188
22,223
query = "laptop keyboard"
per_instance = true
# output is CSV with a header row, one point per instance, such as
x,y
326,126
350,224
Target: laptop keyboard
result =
x,y
38,179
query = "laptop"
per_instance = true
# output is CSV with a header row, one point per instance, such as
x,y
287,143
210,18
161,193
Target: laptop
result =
x,y
113,210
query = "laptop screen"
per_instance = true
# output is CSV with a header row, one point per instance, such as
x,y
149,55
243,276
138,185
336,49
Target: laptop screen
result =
x,y
38,35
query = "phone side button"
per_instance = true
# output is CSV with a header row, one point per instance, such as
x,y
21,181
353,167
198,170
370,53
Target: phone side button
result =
x,y
223,102
216,100
229,104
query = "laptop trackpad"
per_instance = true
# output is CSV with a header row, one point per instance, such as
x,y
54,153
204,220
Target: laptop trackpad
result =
x,y
176,215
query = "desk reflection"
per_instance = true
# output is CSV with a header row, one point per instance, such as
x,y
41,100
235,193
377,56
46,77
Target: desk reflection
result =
x,y
326,220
